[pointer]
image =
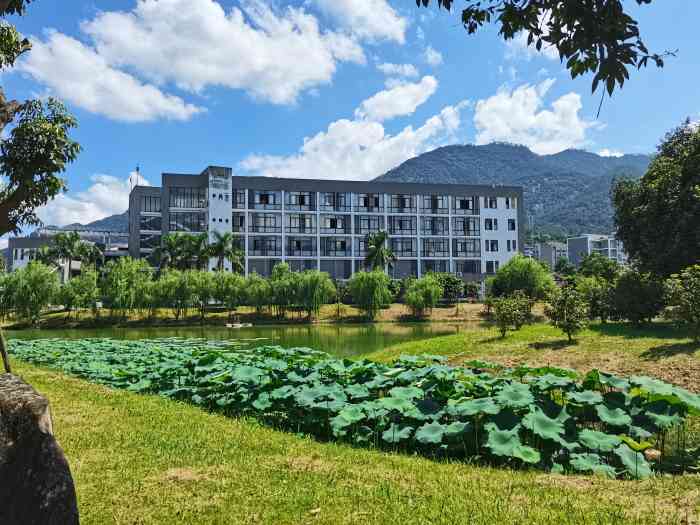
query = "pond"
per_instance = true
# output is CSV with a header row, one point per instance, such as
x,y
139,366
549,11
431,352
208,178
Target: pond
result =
x,y
342,340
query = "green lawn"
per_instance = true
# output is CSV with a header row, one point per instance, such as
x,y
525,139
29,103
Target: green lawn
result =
x,y
143,459
660,350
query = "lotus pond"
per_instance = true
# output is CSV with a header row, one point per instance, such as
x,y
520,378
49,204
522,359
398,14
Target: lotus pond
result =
x,y
549,418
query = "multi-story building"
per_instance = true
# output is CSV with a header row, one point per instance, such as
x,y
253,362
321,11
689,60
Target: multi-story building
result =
x,y
607,245
324,224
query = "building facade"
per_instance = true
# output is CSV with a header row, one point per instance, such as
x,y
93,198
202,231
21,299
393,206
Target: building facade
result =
x,y
606,245
324,224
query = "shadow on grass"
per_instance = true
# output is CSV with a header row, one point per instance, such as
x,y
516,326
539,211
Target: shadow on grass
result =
x,y
552,345
663,351
659,330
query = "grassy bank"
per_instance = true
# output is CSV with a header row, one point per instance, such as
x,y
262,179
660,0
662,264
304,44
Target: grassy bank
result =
x,y
659,350
142,459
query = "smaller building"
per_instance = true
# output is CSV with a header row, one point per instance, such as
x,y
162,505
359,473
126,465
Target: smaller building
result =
x,y
606,245
547,252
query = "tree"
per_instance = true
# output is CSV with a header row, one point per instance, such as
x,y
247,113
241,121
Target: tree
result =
x,y
176,291
593,36
379,255
684,297
315,289
32,289
598,265
229,290
564,267
284,284
423,294
203,287
70,247
82,290
657,217
471,290
258,292
370,291
223,249
568,311
522,273
170,251
598,294
452,286
638,296
123,283
510,312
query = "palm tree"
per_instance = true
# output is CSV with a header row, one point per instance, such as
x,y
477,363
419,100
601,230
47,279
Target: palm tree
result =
x,y
170,251
379,255
90,254
67,246
197,249
224,249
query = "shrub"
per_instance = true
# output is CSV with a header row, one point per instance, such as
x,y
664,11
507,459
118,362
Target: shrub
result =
x,y
471,290
510,312
32,289
597,265
229,290
638,296
568,311
684,298
522,273
598,293
452,286
423,294
258,292
370,291
314,290
82,290
203,289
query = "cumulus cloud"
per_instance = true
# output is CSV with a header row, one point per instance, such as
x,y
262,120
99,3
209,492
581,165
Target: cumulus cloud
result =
x,y
75,72
517,47
605,152
107,195
518,116
432,56
399,70
367,19
400,100
359,149
273,55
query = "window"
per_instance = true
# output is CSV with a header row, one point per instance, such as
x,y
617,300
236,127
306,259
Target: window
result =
x,y
188,197
361,247
301,246
491,224
435,248
150,223
402,225
438,266
335,247
238,222
466,248
365,224
267,200
187,222
265,246
491,202
299,200
511,225
369,202
491,245
331,201
149,241
508,245
238,199
436,204
300,223
402,204
491,267
335,224
150,204
434,226
514,245
466,226
511,202
465,205
265,223
467,267
404,247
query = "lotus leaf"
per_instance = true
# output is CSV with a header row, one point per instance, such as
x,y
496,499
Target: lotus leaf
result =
x,y
357,391
396,433
586,397
515,395
263,402
430,433
502,442
406,392
470,407
613,416
651,385
634,462
248,374
526,454
456,429
542,425
549,381
598,440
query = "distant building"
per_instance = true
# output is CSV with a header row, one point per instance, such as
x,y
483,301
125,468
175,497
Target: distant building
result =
x,y
606,245
323,224
547,252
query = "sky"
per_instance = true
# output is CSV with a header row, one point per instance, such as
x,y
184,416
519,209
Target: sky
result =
x,y
336,89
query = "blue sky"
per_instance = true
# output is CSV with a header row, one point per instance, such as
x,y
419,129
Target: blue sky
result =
x,y
321,88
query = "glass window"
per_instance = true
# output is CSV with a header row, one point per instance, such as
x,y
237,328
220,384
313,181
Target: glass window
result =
x,y
265,246
465,226
266,200
467,267
332,201
491,267
187,222
265,223
437,266
238,200
365,224
372,202
466,248
335,247
434,226
511,225
150,223
149,241
404,247
299,200
403,225
491,224
188,197
464,205
300,246
150,204
491,245
238,222
491,202
402,203
435,248
300,223
335,224
436,204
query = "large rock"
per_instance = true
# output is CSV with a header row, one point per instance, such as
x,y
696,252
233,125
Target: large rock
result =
x,y
36,486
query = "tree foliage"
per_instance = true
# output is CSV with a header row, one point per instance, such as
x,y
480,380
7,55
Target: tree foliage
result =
x,y
229,290
423,294
511,312
597,265
379,255
370,291
638,296
123,283
657,217
683,292
522,273
452,286
31,289
598,294
568,311
314,289
598,37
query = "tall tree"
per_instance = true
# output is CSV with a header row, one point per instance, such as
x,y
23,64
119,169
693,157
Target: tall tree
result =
x,y
223,249
36,150
593,36
379,254
658,216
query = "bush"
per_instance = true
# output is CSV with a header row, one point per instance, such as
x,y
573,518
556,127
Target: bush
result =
x,y
32,289
598,293
510,312
471,290
229,290
258,292
452,286
568,311
176,290
638,296
423,294
203,289
370,291
684,298
522,273
82,291
314,290
597,265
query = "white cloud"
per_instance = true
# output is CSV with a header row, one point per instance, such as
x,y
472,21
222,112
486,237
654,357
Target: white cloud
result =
x,y
3,242
107,195
605,152
420,34
272,55
400,100
401,70
517,47
432,56
367,19
518,116
358,149
75,72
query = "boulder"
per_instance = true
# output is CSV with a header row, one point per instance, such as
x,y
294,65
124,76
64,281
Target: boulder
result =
x,y
36,486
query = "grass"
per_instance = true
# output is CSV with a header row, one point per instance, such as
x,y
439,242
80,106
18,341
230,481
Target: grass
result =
x,y
660,350
142,459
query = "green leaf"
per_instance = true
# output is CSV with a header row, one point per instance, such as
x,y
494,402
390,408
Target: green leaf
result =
x,y
471,407
541,425
635,464
406,392
599,441
357,391
614,381
651,385
586,397
247,374
526,454
515,395
430,433
396,433
263,402
456,429
502,442
613,416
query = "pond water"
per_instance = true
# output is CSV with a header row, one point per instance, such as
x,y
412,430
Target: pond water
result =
x,y
342,340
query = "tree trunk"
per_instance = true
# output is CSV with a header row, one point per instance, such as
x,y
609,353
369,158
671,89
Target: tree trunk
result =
x,y
3,351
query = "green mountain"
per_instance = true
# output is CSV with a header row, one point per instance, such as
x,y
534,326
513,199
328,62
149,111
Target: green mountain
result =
x,y
567,193
113,223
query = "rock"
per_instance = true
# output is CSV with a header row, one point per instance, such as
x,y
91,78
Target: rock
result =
x,y
36,486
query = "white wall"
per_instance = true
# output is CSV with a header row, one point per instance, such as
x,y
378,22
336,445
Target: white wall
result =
x,y
502,235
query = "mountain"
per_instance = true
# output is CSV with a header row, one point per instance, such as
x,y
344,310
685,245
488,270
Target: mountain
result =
x,y
566,193
113,223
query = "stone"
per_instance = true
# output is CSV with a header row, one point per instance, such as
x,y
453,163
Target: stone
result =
x,y
36,486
